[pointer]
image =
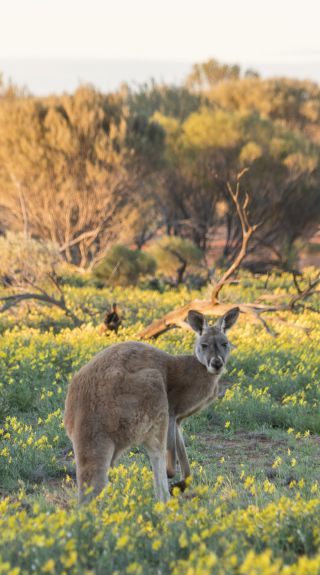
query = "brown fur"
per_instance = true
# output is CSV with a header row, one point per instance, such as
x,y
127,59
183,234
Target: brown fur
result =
x,y
134,394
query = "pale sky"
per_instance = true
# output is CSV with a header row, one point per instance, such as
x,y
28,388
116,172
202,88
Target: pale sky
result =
x,y
160,30
242,31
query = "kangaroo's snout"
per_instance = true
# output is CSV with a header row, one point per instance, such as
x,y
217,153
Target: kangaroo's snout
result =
x,y
216,363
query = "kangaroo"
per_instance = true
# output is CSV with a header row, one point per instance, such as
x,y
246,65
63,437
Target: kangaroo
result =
x,y
135,394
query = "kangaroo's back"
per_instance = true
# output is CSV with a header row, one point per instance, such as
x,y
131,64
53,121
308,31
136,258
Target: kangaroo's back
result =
x,y
111,373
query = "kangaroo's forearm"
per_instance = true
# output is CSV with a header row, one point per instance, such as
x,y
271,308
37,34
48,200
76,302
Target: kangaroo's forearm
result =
x,y
182,455
171,447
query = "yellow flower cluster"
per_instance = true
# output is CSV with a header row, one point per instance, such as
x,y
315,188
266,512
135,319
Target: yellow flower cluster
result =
x,y
204,533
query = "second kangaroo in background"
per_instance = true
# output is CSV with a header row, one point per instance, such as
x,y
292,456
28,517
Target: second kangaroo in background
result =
x,y
134,394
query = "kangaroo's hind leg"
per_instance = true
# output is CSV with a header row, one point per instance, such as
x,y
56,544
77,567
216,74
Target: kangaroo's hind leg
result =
x,y
149,424
171,448
93,460
183,461
116,455
156,448
182,454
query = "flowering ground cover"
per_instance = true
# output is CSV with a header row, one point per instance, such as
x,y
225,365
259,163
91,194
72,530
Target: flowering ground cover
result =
x,y
253,505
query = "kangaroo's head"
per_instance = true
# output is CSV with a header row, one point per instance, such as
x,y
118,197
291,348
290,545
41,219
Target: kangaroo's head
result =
x,y
212,346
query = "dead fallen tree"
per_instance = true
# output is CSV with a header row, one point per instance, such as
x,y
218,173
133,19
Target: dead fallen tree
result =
x,y
29,272
41,295
213,306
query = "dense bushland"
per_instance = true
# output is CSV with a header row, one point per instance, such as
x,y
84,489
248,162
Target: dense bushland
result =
x,y
89,170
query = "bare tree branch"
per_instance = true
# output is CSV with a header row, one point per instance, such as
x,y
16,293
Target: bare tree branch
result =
x,y
16,299
247,231
306,293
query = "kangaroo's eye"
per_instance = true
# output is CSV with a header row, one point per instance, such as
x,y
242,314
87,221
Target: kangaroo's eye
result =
x,y
225,345
204,345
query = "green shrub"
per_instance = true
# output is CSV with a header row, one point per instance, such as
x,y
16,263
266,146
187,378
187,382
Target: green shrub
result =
x,y
174,256
123,266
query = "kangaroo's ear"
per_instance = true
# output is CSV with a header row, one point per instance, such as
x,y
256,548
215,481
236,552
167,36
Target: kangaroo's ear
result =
x,y
226,321
197,321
